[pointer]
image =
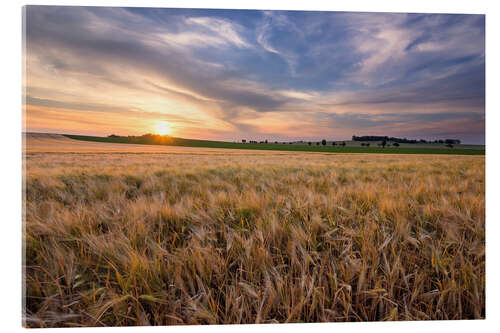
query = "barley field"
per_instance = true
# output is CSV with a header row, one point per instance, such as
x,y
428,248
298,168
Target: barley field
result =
x,y
185,237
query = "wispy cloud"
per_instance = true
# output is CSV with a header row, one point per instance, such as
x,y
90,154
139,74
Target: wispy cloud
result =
x,y
203,32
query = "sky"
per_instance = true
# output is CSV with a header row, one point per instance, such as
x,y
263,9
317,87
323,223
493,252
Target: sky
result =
x,y
255,75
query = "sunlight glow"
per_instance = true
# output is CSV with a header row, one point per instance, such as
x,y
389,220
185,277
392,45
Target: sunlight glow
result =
x,y
162,128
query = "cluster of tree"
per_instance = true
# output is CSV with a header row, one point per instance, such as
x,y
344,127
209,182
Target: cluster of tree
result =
x,y
402,140
382,138
143,139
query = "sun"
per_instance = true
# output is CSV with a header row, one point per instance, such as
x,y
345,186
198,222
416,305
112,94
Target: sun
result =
x,y
163,128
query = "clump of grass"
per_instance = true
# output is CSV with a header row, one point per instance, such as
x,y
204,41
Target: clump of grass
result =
x,y
163,239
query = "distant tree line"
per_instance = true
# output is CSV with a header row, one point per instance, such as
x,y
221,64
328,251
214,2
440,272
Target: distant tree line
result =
x,y
401,140
382,141
322,142
143,139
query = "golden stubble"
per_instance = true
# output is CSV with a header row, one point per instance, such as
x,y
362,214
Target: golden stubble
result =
x,y
191,238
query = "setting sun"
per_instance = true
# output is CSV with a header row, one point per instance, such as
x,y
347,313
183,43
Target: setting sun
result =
x,y
163,128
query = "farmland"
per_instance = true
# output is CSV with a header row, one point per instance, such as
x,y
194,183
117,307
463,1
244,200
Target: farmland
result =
x,y
350,146
200,236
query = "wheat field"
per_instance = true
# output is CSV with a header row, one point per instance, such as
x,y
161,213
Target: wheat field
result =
x,y
115,239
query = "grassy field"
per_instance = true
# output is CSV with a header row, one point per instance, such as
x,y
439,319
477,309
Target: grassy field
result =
x,y
166,238
351,146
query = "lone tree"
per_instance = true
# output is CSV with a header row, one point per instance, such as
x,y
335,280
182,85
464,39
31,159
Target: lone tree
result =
x,y
334,143
317,143
323,142
343,143
309,143
383,143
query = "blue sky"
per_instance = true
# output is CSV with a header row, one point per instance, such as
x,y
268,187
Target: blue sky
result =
x,y
232,74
